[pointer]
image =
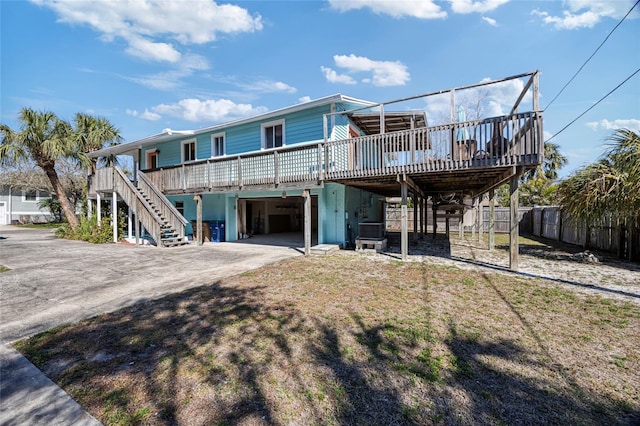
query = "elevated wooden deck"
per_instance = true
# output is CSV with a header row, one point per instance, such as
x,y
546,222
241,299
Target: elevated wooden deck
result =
x,y
466,158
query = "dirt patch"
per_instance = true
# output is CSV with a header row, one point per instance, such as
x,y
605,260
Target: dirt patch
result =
x,y
563,264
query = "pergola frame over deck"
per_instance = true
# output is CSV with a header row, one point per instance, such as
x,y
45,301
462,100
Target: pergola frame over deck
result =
x,y
433,185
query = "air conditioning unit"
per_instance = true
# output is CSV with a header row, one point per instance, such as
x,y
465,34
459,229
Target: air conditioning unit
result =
x,y
371,231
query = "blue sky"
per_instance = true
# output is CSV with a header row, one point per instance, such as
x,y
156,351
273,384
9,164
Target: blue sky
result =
x,y
148,65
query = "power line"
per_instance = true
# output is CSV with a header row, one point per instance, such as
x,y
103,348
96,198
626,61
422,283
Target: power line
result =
x,y
592,106
592,55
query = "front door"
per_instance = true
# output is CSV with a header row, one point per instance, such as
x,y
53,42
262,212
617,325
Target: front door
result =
x,y
152,160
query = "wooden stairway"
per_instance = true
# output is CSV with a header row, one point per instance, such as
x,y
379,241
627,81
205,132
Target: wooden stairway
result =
x,y
154,211
169,236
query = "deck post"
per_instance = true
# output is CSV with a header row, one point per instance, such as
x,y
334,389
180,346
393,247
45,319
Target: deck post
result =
x,y
307,222
446,224
404,237
434,211
492,219
480,218
415,216
199,233
513,223
114,215
475,222
422,217
89,207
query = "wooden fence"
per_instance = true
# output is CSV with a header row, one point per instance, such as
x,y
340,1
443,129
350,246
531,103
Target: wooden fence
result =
x,y
546,222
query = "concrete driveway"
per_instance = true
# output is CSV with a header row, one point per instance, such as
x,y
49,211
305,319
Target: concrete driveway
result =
x,y
54,282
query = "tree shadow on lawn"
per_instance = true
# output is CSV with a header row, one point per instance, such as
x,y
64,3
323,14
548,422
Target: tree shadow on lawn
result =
x,y
223,354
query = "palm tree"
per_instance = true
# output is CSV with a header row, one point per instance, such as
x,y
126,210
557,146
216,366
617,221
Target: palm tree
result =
x,y
43,138
611,185
553,161
92,134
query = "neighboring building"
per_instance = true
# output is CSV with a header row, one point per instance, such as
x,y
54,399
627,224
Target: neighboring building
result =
x,y
322,167
21,206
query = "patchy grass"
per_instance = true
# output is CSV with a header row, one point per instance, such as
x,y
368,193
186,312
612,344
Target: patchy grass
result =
x,y
347,339
48,225
4,268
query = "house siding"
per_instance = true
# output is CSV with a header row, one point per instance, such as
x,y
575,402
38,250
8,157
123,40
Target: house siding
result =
x,y
17,210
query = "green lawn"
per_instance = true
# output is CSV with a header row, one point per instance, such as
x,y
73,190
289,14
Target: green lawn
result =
x,y
348,339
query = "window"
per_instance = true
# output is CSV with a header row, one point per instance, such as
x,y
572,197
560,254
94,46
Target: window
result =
x,y
30,196
180,207
217,145
273,134
188,150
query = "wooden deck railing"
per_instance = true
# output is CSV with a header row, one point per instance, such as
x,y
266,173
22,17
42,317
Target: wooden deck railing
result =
x,y
512,140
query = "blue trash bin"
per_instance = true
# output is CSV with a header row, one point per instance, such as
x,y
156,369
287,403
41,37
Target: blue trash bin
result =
x,y
217,231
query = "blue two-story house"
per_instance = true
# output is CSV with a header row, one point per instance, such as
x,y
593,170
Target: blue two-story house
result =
x,y
320,168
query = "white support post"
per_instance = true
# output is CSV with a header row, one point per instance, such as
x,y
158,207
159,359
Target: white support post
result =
x,y
114,215
98,208
129,223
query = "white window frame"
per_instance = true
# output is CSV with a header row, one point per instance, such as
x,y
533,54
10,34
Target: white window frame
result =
x,y
195,150
264,126
24,197
224,144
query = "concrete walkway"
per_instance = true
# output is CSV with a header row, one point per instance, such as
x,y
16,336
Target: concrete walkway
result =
x,y
55,282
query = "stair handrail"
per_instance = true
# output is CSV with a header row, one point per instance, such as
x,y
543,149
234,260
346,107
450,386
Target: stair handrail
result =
x,y
174,215
153,228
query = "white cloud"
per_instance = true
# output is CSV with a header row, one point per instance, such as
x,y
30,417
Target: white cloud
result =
x,y
470,6
150,116
631,124
585,13
304,99
422,9
146,49
268,86
207,111
146,115
148,26
490,21
383,73
334,77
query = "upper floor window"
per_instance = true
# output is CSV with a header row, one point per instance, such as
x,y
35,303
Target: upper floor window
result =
x,y
30,196
273,134
217,145
188,150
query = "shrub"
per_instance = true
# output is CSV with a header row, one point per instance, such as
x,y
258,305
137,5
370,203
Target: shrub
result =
x,y
89,231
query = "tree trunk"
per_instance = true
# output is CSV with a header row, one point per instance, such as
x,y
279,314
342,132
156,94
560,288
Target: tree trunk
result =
x,y
67,206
